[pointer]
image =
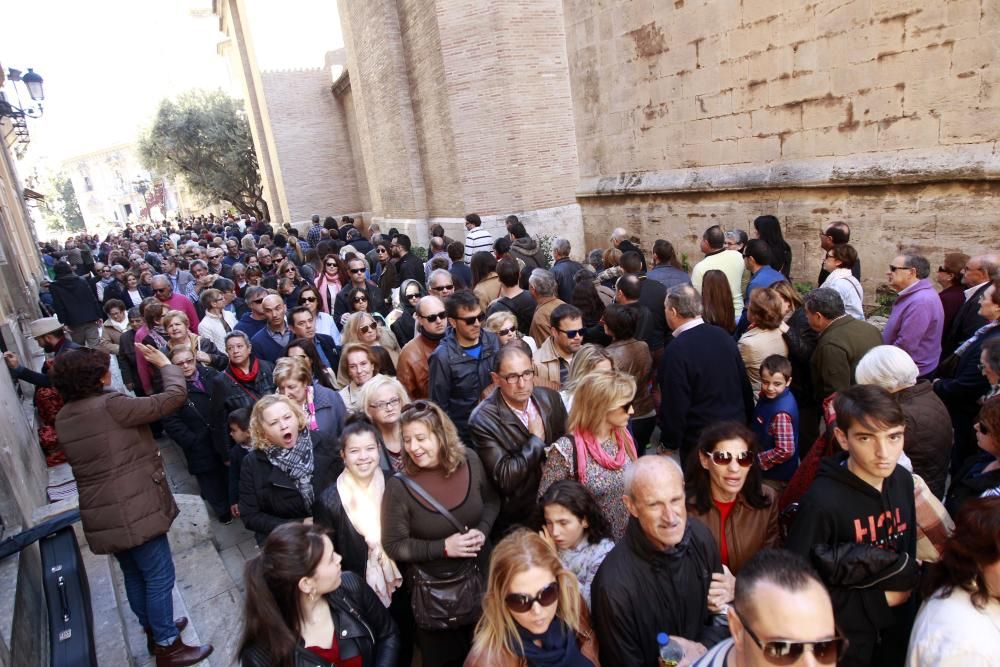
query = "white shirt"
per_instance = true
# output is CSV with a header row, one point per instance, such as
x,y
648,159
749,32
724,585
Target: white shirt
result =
x,y
690,324
847,286
952,632
972,290
210,327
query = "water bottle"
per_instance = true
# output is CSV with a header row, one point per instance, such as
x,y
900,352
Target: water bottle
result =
x,y
671,653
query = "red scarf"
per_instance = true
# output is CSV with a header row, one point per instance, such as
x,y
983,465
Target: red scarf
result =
x,y
246,377
586,444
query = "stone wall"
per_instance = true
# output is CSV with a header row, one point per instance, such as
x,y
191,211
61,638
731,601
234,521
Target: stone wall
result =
x,y
882,113
313,149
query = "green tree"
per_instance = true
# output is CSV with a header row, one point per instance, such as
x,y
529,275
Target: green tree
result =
x,y
61,209
204,137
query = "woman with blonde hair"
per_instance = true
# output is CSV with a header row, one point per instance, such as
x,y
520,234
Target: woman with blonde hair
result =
x,y
363,328
532,610
288,468
177,327
504,324
323,407
382,401
598,445
588,358
358,365
430,546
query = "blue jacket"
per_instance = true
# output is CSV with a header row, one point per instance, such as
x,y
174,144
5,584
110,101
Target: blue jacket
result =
x,y
249,325
330,410
457,379
265,347
766,410
765,277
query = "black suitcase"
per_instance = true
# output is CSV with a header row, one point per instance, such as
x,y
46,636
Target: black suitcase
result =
x,y
67,599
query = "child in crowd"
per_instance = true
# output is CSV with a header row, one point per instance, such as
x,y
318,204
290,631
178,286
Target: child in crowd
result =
x,y
239,430
776,422
857,524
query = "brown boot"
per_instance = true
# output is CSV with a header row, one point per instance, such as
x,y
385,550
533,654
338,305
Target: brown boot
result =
x,y
180,654
179,623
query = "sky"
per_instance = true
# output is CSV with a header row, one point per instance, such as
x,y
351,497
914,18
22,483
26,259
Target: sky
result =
x,y
108,63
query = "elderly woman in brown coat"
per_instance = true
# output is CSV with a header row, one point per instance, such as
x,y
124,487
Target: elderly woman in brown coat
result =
x,y
125,501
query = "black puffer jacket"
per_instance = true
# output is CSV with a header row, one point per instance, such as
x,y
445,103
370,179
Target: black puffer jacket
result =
x,y
269,497
363,625
229,394
191,426
512,457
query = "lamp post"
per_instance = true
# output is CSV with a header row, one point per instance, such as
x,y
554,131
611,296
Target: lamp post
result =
x,y
17,114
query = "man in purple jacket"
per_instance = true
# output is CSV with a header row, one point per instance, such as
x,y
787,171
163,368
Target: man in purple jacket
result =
x,y
917,319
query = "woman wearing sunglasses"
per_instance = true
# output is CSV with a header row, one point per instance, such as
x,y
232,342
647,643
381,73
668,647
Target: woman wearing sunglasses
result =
x,y
368,329
403,326
504,324
309,297
425,543
532,610
725,492
384,274
980,475
598,444
330,281
287,270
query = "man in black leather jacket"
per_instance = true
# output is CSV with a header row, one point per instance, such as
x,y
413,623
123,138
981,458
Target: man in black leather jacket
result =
x,y
510,429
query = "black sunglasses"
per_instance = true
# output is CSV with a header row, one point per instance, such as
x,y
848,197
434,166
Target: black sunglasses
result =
x,y
307,299
415,295
333,264
572,333
419,406
161,289
434,317
368,327
356,271
472,319
504,332
521,603
826,652
441,288
257,302
744,459
359,299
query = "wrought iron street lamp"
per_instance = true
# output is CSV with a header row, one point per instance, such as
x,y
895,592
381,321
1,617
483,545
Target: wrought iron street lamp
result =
x,y
33,82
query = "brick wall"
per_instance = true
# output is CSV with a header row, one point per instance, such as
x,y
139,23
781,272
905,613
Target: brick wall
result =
x,y
312,143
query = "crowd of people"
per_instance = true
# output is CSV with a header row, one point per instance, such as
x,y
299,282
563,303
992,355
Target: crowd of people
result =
x,y
497,457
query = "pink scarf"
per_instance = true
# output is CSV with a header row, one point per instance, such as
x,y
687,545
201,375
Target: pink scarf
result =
x,y
324,283
587,445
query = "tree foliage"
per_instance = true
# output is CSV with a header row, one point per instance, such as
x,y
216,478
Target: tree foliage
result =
x,y
204,136
61,209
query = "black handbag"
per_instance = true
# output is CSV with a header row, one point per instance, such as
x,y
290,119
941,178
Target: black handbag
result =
x,y
444,603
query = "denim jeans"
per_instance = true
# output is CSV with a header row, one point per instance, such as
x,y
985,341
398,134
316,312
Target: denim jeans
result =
x,y
148,570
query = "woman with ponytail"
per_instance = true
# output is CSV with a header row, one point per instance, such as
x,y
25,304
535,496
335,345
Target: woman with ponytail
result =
x,y
302,609
598,445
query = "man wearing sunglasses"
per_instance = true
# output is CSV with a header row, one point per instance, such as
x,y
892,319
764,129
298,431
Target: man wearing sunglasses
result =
x,y
554,357
254,319
356,268
510,430
782,615
460,367
165,294
412,367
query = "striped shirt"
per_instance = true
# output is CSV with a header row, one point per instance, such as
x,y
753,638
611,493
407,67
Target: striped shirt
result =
x,y
478,239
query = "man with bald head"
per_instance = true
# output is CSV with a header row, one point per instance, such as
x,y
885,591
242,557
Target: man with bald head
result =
x,y
431,325
781,608
665,575
164,293
270,342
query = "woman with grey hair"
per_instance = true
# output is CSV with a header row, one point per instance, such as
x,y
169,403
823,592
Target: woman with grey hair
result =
x,y
928,438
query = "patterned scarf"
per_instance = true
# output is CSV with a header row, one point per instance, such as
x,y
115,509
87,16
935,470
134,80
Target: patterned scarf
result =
x,y
364,509
297,463
586,444
974,337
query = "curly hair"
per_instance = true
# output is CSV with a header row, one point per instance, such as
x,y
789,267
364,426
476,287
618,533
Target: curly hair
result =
x,y
974,545
78,374
451,453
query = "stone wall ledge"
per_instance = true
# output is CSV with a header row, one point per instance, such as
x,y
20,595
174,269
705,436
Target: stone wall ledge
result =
x,y
966,162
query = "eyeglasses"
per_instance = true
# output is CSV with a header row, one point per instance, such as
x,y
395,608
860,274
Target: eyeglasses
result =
x,y
359,299
382,405
472,319
418,406
357,271
505,332
893,269
368,327
442,288
982,428
521,603
513,378
415,295
571,333
434,317
778,652
723,458
307,299
257,302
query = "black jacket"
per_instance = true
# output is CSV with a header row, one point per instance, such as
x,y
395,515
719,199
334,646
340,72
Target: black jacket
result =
x,y
523,306
970,481
654,332
409,267
376,302
640,591
41,379
228,394
627,246
840,508
363,625
801,340
329,513
564,271
457,379
512,457
74,301
268,496
191,426
966,322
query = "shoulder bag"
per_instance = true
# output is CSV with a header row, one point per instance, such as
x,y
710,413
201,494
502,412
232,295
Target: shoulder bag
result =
x,y
450,602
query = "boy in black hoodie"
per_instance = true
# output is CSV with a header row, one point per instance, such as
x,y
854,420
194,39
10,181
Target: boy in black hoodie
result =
x,y
857,524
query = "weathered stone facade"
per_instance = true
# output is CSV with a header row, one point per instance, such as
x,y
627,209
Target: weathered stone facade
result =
x,y
880,113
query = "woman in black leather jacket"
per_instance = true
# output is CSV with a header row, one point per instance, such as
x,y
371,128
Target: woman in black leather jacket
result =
x,y
302,610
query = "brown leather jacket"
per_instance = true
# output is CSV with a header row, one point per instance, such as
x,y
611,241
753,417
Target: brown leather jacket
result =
x,y
633,357
411,369
125,500
748,530
586,640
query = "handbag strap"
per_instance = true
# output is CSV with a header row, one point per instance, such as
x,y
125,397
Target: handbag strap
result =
x,y
432,501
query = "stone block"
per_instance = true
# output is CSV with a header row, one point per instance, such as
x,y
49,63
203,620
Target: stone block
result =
x,y
791,89
843,17
971,55
758,10
879,103
913,65
940,94
732,126
192,525
969,125
775,120
771,64
824,112
711,106
908,132
759,149
704,81
848,78
751,97
852,139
